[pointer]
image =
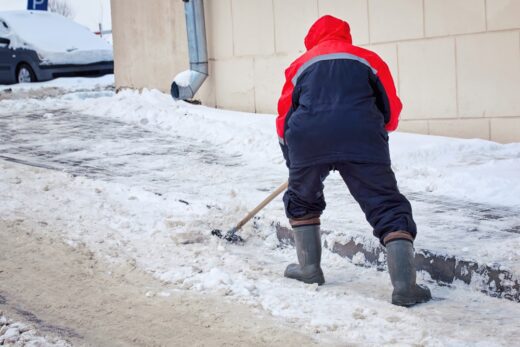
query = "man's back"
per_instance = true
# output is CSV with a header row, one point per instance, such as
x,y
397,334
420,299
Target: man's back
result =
x,y
337,101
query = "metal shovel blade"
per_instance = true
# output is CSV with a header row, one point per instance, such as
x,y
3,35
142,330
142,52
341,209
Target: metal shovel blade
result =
x,y
230,236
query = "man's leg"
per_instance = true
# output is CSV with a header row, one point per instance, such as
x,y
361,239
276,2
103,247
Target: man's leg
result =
x,y
375,189
304,203
390,214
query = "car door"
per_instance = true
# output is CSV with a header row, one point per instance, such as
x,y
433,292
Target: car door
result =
x,y
6,55
5,61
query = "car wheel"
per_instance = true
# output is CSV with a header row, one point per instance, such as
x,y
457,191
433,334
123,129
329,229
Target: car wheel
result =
x,y
25,74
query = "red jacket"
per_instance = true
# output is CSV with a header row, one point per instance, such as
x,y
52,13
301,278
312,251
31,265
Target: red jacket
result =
x,y
329,39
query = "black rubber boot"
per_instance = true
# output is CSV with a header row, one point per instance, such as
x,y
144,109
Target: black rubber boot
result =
x,y
307,240
400,258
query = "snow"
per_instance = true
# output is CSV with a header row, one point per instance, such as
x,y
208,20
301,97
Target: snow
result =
x,y
183,79
146,178
57,40
475,170
20,334
70,84
433,164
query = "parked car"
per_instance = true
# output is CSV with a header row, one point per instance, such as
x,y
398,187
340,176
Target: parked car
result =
x,y
39,46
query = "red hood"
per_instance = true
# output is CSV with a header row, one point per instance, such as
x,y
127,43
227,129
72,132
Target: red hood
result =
x,y
327,28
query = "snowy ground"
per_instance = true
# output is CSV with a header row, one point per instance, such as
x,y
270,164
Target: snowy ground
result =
x,y
20,334
66,84
141,179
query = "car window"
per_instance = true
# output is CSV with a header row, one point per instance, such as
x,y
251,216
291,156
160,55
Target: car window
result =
x,y
4,42
4,31
4,28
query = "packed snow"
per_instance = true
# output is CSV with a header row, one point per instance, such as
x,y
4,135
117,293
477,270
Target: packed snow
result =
x,y
57,40
142,179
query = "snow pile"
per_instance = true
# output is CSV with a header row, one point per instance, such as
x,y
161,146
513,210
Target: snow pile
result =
x,y
474,170
57,40
20,334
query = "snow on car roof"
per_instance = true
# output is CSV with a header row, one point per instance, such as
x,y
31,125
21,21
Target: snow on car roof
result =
x,y
49,33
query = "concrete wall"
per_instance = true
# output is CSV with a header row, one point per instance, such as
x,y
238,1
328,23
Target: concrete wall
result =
x,y
456,63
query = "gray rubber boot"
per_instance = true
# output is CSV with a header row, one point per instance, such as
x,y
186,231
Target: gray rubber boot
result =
x,y
307,240
400,258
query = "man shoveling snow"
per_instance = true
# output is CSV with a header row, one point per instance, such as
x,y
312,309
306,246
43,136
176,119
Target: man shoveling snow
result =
x,y
336,108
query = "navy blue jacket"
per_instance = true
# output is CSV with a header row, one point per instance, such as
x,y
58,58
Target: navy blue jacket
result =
x,y
338,102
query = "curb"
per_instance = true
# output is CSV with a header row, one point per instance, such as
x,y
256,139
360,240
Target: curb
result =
x,y
491,280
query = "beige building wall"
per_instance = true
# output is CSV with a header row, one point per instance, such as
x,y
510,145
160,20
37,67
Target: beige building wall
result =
x,y
456,63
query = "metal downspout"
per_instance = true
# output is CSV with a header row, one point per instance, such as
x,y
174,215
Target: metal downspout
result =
x,y
188,82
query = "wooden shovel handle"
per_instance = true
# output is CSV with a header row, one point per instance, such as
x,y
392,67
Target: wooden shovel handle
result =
x,y
262,205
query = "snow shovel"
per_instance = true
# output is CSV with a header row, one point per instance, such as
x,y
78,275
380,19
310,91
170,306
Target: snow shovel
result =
x,y
231,235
